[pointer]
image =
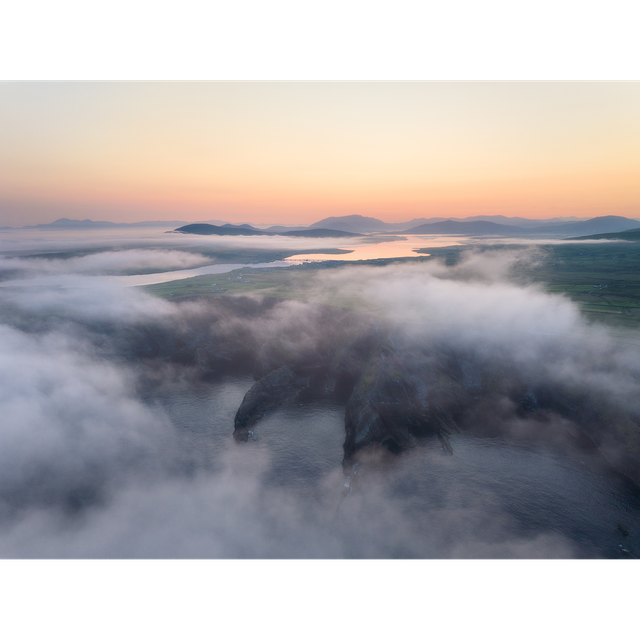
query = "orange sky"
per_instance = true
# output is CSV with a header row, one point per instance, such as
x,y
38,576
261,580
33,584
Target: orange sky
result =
x,y
298,152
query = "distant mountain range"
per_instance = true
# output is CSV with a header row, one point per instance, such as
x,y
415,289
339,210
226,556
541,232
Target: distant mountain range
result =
x,y
483,225
363,224
343,226
335,227
475,228
603,224
353,224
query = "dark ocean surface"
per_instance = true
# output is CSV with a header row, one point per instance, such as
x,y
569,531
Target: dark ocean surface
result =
x,y
493,497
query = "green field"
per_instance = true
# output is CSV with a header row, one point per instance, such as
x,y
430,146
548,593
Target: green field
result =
x,y
295,282
602,278
274,282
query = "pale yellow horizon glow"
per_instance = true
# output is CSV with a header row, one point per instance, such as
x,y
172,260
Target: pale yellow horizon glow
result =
x,y
297,152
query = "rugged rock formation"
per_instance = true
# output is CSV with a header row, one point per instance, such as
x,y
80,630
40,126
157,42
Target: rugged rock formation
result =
x,y
401,394
382,409
395,388
274,389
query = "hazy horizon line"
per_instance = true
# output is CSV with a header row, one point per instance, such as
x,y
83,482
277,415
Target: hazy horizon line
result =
x,y
192,220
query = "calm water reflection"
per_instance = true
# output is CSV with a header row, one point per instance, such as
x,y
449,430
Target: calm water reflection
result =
x,y
367,249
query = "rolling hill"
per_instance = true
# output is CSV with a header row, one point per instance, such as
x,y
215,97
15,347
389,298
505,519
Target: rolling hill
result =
x,y
601,224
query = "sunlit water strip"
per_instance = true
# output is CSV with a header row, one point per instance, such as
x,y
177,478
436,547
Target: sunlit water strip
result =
x,y
73,280
407,246
167,276
367,250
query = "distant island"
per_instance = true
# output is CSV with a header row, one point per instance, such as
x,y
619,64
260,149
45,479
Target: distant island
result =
x,y
248,230
213,230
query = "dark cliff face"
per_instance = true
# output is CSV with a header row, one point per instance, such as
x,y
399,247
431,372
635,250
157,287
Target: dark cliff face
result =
x,y
403,393
396,389
276,388
382,409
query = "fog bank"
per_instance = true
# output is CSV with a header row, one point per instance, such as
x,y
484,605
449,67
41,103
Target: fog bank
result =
x,y
90,467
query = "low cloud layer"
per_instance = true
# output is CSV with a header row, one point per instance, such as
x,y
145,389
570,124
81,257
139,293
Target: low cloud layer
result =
x,y
105,263
91,467
236,513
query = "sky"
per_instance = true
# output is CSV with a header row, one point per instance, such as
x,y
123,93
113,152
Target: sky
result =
x,y
296,152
